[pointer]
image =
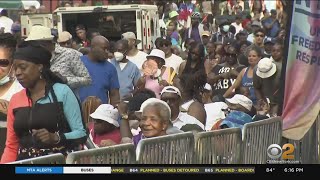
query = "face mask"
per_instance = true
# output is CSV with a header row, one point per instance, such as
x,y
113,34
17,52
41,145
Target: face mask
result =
x,y
118,56
6,78
225,28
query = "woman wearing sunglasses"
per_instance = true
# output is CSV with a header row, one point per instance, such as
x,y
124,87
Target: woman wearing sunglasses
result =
x,y
8,84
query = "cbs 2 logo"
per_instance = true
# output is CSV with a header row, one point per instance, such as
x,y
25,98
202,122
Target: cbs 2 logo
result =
x,y
274,151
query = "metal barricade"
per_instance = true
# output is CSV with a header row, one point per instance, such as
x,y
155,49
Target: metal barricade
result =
x,y
306,150
257,137
117,154
218,147
169,149
57,158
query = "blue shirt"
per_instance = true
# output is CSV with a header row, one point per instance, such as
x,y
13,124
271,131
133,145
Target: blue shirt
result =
x,y
273,32
128,77
248,82
104,78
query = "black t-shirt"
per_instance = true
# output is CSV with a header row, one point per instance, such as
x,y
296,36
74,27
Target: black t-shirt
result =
x,y
223,85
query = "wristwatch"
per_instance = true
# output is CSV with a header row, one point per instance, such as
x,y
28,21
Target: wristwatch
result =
x,y
124,116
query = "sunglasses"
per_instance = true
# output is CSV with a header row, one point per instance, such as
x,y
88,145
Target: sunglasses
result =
x,y
259,35
4,62
231,55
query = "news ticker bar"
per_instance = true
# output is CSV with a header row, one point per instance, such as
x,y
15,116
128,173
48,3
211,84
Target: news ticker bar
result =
x,y
133,170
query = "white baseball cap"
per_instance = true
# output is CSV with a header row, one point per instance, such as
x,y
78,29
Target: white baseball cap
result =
x,y
130,35
242,100
266,68
106,112
171,89
40,33
157,53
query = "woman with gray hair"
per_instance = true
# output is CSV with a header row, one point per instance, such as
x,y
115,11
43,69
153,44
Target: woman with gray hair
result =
x,y
154,116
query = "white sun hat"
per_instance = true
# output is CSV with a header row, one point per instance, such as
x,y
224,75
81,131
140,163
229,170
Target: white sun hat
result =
x,y
40,33
106,112
266,68
157,53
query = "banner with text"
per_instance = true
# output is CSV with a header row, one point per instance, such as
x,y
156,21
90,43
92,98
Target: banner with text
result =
x,y
302,87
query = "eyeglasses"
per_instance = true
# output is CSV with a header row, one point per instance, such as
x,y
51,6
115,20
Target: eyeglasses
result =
x,y
4,62
259,35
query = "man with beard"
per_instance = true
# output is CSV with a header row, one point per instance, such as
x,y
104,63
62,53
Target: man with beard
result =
x,y
104,75
224,75
128,72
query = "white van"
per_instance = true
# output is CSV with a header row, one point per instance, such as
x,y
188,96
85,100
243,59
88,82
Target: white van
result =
x,y
111,21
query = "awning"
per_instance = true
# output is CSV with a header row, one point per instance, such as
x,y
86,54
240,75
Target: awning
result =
x,y
11,4
18,4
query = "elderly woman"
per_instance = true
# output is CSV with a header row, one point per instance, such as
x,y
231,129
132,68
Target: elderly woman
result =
x,y
44,118
155,120
8,83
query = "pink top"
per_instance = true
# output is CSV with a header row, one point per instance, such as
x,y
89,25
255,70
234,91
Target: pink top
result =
x,y
114,135
153,84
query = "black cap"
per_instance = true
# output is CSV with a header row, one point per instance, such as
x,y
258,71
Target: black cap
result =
x,y
244,32
269,40
228,41
166,38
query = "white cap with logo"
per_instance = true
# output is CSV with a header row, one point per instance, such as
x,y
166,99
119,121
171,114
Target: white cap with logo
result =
x,y
242,100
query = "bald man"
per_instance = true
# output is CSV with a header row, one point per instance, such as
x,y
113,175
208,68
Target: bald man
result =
x,y
104,76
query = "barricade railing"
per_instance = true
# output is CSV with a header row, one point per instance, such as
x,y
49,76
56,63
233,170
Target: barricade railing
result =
x,y
57,158
306,150
257,137
169,149
218,147
117,154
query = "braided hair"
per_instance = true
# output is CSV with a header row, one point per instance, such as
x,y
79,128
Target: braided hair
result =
x,y
8,41
89,105
188,71
195,85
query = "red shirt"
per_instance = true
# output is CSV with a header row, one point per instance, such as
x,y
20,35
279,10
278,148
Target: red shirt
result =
x,y
114,135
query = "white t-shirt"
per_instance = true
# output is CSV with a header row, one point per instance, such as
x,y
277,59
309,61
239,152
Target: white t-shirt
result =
x,y
15,87
238,27
250,38
214,113
6,23
184,119
174,61
138,59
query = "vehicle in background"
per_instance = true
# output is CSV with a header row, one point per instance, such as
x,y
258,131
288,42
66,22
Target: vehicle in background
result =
x,y
111,21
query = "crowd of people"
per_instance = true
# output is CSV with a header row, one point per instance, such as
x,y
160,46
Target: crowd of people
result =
x,y
57,90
